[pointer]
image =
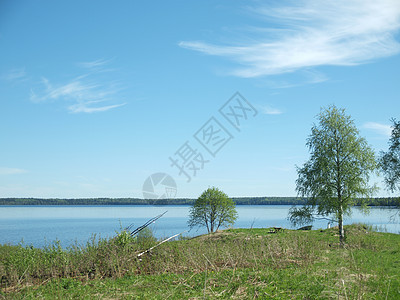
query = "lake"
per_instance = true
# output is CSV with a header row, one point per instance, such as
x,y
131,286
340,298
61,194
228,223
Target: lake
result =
x,y
40,225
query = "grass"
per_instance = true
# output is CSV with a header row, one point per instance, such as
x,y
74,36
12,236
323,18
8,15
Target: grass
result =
x,y
235,263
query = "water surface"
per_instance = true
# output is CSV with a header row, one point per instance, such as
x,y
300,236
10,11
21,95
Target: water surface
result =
x,y
40,225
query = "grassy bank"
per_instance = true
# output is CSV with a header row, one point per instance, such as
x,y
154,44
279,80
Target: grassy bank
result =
x,y
238,263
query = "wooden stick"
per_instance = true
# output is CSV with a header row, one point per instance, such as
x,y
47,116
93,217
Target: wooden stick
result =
x,y
148,250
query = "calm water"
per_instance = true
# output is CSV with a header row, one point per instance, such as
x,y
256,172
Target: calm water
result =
x,y
40,225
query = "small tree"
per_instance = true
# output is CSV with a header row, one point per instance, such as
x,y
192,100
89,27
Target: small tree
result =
x,y
390,161
337,171
212,209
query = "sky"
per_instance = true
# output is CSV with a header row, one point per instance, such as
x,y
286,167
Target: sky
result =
x,y
98,96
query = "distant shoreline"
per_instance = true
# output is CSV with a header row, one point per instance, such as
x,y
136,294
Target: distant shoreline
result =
x,y
388,201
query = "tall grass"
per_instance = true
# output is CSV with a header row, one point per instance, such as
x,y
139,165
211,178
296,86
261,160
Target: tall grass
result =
x,y
98,258
117,257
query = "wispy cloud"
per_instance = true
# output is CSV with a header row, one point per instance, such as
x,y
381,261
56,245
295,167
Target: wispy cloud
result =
x,y
95,63
17,74
381,129
87,93
85,108
268,110
308,33
11,171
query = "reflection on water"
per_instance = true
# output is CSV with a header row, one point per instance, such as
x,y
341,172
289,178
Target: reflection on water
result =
x,y
38,225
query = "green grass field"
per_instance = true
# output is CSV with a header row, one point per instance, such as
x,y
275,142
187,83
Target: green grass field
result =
x,y
235,263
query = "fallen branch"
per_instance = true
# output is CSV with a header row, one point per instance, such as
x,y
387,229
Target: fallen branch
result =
x,y
148,250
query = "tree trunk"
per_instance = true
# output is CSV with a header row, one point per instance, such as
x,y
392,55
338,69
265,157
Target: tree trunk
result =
x,y
205,221
341,230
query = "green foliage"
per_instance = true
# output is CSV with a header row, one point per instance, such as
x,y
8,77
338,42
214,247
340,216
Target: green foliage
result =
x,y
301,216
123,238
337,172
145,238
390,160
212,209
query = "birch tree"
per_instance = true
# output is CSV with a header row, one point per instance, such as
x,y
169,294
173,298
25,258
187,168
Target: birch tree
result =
x,y
337,172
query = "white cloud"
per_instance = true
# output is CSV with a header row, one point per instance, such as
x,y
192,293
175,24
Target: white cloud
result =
x,y
85,108
268,110
95,63
16,74
310,33
382,129
87,93
11,171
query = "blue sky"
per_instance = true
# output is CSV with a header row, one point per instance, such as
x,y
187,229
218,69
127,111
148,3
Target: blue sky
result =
x,y
98,95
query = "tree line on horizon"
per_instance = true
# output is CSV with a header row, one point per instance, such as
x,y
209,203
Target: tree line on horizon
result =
x,y
381,201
